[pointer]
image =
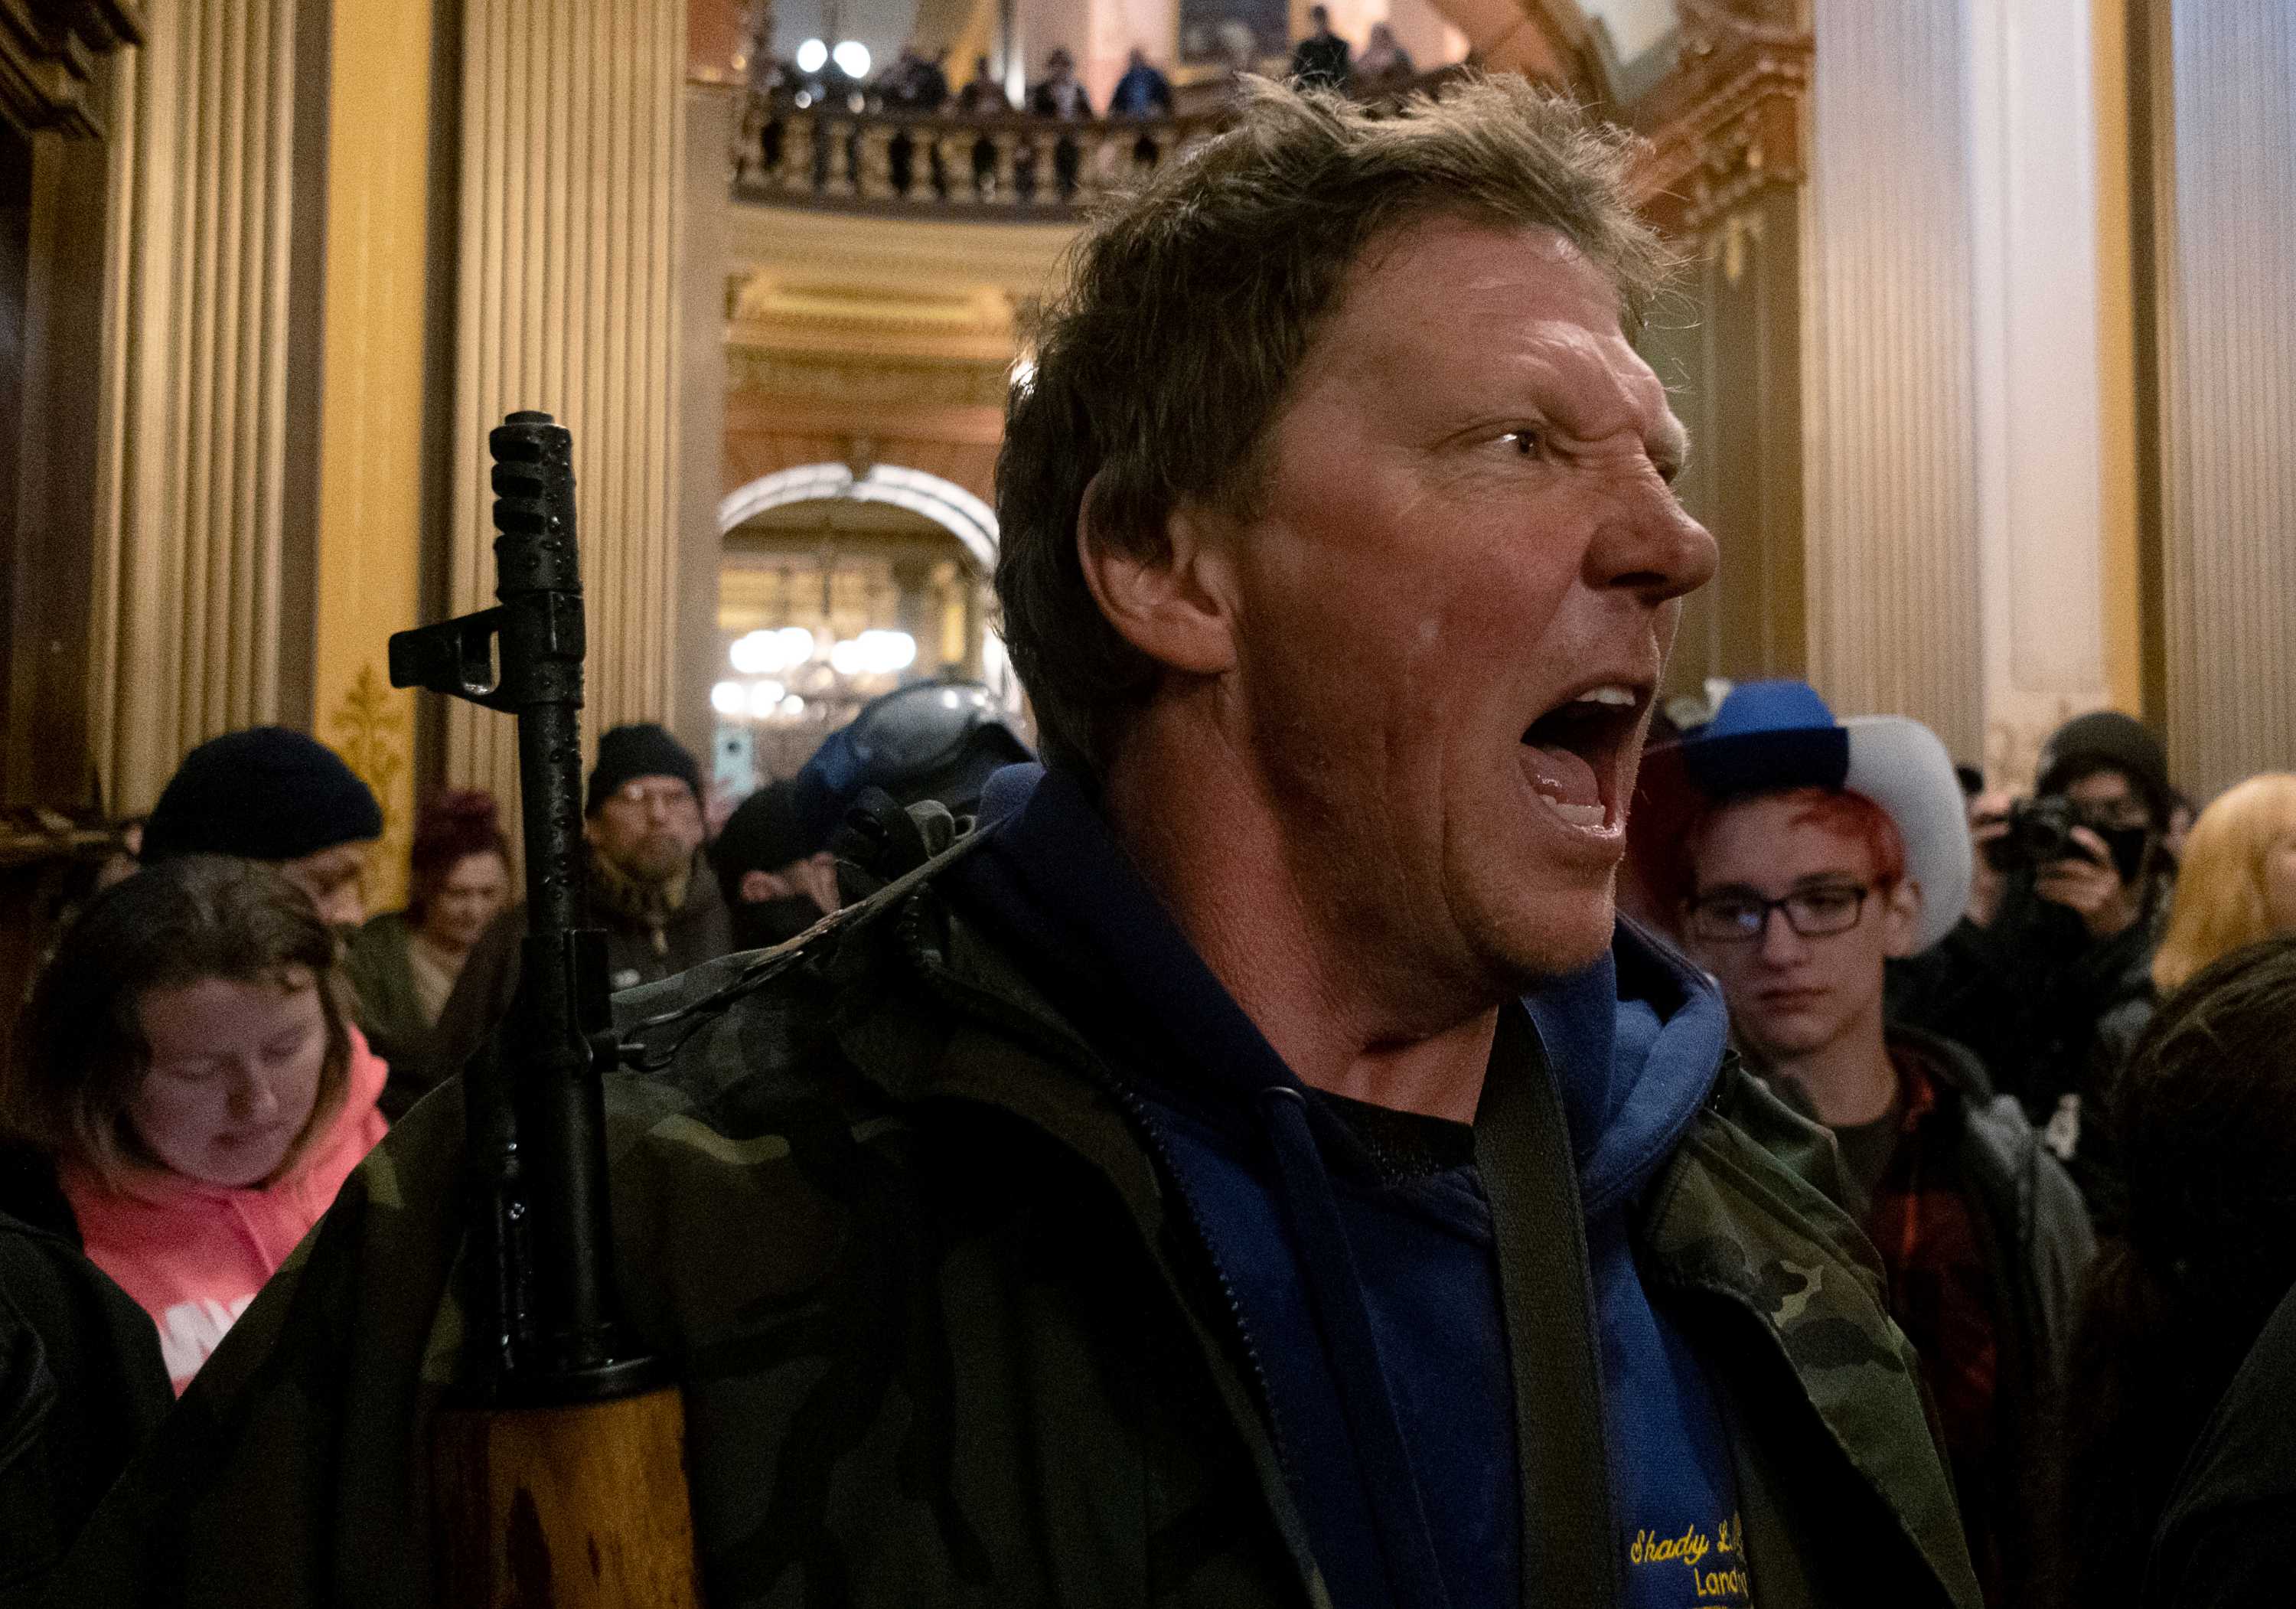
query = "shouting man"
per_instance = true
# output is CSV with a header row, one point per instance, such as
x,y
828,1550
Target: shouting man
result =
x,y
1254,1167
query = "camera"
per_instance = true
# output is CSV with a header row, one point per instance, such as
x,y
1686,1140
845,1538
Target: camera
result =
x,y
2041,830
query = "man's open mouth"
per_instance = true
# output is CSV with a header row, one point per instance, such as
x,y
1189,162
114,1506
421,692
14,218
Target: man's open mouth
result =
x,y
1574,752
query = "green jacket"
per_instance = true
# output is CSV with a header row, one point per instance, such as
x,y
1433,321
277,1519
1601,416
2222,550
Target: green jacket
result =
x,y
944,1338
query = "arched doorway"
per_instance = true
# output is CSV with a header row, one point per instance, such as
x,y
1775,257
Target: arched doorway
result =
x,y
834,587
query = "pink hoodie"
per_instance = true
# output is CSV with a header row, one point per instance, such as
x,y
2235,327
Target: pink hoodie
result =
x,y
193,1255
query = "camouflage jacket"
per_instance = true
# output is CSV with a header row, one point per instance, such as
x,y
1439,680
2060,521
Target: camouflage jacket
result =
x,y
943,1338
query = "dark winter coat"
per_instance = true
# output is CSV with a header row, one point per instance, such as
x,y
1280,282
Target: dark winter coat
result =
x,y
946,1337
699,929
2051,1014
2037,1244
81,1387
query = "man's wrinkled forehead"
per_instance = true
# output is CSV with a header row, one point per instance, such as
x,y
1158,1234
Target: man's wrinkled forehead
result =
x,y
1477,293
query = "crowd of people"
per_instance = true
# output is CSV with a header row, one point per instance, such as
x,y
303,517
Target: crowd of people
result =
x,y
1351,1125
918,83
222,1033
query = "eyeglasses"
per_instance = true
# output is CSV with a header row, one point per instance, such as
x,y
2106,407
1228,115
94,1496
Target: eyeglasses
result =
x,y
671,798
1737,916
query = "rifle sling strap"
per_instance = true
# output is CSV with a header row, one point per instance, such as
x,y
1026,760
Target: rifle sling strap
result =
x,y
1522,1149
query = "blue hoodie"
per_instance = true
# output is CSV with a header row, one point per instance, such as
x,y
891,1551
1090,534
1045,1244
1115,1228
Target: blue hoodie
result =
x,y
1358,1246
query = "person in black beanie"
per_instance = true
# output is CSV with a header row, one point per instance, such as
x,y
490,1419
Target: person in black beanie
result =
x,y
2054,991
274,794
649,888
778,879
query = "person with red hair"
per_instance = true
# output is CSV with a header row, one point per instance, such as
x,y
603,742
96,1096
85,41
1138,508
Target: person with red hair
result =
x,y
1806,853
404,964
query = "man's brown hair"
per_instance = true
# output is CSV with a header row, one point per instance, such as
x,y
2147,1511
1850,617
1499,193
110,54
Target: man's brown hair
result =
x,y
81,1054
1190,306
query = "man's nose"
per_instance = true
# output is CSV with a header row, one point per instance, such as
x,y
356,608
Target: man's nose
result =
x,y
1648,545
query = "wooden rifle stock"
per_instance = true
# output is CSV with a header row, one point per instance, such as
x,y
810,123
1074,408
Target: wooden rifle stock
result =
x,y
558,1470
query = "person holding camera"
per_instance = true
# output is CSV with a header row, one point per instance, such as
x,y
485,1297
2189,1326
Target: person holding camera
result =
x,y
2053,989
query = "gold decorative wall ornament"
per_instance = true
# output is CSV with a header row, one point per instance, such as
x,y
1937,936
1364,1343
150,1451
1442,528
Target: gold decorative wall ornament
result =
x,y
369,728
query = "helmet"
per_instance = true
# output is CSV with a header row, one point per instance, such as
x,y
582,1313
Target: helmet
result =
x,y
931,740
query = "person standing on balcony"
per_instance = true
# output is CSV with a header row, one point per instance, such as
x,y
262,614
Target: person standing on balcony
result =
x,y
1142,92
1384,63
982,97
1321,60
1062,97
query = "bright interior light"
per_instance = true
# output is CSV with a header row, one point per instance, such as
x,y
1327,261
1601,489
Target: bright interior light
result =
x,y
755,653
792,705
852,58
874,653
728,698
764,697
770,652
810,55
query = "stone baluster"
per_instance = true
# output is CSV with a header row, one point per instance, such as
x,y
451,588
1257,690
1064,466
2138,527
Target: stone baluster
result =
x,y
872,148
1004,191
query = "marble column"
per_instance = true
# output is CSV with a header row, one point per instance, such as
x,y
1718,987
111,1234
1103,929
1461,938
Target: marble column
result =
x,y
2227,333
572,188
711,113
194,524
1890,458
2045,527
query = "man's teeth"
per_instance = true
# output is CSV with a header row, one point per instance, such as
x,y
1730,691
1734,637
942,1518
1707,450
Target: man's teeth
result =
x,y
1610,693
1577,815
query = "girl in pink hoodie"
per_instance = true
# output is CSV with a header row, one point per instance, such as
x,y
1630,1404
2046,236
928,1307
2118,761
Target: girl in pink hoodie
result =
x,y
188,1063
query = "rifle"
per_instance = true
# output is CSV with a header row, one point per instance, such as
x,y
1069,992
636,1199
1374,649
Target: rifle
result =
x,y
558,1468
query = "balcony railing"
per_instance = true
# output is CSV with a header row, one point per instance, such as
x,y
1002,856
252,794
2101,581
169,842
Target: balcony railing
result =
x,y
1007,165
798,148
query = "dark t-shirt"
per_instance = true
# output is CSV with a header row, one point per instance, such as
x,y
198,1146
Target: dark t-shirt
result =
x,y
1867,1148
2223,1541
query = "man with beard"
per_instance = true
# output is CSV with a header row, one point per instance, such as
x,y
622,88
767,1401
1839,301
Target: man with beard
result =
x,y
1256,1167
649,887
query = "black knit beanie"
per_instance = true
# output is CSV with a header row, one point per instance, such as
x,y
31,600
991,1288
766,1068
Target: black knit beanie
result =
x,y
764,833
641,748
267,793
2106,739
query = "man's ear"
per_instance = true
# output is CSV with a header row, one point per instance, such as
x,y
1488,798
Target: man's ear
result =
x,y
1901,918
1174,606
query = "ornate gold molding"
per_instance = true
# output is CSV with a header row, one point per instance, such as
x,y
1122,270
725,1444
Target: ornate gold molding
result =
x,y
1730,118
48,54
867,382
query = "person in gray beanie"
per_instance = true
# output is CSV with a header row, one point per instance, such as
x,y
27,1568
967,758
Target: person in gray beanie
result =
x,y
649,888
274,794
